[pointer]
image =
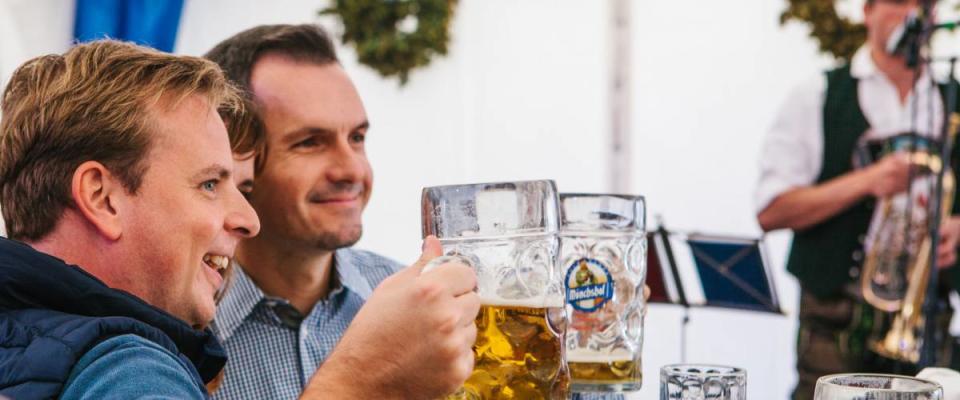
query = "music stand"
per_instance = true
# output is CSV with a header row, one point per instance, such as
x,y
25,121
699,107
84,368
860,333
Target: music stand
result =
x,y
716,271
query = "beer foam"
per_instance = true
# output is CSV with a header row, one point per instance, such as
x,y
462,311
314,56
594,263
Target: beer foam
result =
x,y
535,302
581,355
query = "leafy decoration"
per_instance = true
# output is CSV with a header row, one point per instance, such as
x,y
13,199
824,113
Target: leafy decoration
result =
x,y
835,34
395,36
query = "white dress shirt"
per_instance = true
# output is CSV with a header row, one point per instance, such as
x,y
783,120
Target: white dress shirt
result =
x,y
792,152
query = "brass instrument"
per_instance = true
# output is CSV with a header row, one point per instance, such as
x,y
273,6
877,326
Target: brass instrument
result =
x,y
891,248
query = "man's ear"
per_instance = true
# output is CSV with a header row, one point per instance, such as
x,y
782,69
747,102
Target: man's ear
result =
x,y
95,192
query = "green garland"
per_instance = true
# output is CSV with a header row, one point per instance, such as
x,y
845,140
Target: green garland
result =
x,y
835,34
374,29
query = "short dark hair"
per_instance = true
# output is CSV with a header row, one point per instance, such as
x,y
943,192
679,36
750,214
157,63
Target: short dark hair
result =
x,y
238,54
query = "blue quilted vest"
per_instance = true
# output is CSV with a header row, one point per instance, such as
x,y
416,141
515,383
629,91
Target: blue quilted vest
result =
x,y
52,313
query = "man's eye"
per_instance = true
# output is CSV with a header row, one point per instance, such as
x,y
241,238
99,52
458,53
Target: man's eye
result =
x,y
210,186
358,138
311,142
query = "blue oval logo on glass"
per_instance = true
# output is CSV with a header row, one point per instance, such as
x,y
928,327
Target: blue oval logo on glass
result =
x,y
589,285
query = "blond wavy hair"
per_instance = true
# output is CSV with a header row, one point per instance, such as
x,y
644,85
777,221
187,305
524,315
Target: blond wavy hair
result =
x,y
93,103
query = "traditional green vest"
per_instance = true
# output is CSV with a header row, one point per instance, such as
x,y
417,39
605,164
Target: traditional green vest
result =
x,y
827,256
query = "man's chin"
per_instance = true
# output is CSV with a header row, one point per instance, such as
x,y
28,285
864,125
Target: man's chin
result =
x,y
338,240
203,316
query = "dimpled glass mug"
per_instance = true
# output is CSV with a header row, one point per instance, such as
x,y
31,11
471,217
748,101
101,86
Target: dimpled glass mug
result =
x,y
507,232
702,382
876,387
603,257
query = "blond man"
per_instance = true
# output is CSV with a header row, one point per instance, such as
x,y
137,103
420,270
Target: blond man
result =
x,y
115,184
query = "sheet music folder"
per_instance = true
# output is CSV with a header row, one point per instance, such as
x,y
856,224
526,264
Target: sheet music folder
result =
x,y
697,270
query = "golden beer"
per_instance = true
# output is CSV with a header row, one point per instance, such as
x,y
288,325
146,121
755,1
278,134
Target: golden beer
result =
x,y
518,354
615,366
610,373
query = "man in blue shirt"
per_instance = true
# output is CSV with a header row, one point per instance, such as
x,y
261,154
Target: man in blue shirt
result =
x,y
300,285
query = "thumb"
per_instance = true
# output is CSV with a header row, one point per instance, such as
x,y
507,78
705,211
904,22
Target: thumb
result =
x,y
431,250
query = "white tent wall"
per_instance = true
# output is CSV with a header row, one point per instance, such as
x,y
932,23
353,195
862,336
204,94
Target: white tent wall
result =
x,y
523,94
708,80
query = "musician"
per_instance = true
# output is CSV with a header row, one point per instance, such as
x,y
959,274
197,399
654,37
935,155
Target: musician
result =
x,y
808,183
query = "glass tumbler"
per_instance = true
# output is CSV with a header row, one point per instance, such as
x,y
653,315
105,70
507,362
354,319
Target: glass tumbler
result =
x,y
702,382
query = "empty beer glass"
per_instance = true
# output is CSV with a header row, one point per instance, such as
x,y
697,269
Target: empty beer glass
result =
x,y
702,382
603,259
876,387
507,232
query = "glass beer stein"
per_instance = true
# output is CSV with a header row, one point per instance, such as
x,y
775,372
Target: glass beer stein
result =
x,y
876,387
603,259
702,382
507,232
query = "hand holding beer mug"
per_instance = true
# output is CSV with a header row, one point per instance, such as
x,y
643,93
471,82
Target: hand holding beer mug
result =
x,y
508,233
876,387
603,258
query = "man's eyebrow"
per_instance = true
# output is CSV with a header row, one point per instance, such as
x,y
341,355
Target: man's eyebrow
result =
x,y
306,131
318,131
361,126
213,170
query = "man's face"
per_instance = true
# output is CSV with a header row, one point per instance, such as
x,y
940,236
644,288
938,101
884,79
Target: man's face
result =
x,y
882,18
188,216
243,173
316,179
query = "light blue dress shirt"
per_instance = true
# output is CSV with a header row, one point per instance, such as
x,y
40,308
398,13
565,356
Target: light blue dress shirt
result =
x,y
272,349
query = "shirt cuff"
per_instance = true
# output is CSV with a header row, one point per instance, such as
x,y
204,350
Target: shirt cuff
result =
x,y
768,191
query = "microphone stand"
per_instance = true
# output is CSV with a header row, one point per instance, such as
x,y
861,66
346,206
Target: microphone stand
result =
x,y
916,37
951,121
928,355
930,345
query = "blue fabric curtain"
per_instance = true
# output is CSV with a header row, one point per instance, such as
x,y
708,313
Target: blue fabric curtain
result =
x,y
151,23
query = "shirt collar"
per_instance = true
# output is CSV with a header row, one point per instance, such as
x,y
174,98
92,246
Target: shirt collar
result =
x,y
237,304
243,297
348,272
862,67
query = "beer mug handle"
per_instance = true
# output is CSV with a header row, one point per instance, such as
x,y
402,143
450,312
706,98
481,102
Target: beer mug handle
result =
x,y
436,262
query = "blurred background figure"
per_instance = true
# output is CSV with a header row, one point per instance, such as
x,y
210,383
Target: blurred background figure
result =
x,y
810,185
